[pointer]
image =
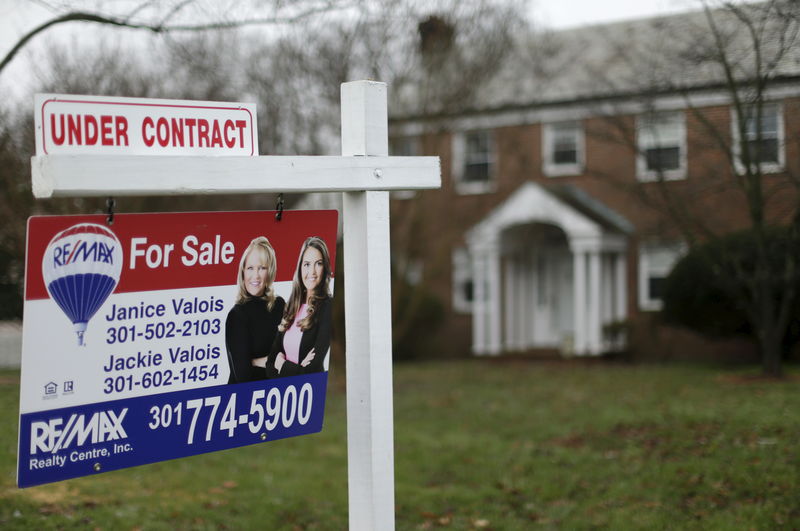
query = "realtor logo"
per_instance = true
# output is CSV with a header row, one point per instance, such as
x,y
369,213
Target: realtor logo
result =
x,y
68,386
50,388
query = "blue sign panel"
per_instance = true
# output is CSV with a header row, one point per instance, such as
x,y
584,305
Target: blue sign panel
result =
x,y
79,441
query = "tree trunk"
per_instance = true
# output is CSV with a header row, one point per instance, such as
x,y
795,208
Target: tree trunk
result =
x,y
771,351
769,328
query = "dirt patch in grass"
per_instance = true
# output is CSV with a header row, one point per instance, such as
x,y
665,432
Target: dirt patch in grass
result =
x,y
54,493
573,441
745,379
649,437
552,359
56,499
646,434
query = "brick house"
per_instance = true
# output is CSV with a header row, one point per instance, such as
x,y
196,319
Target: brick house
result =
x,y
561,177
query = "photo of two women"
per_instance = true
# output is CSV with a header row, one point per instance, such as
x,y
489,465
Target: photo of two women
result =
x,y
268,337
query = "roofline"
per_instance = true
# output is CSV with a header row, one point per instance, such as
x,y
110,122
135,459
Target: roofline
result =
x,y
598,99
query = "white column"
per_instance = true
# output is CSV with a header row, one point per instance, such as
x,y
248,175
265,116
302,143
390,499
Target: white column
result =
x,y
608,287
579,282
529,327
478,301
533,299
607,294
621,284
509,342
520,309
368,330
494,296
594,330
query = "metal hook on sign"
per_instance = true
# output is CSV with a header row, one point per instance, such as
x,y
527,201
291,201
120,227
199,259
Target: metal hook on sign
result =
x,y
279,208
110,210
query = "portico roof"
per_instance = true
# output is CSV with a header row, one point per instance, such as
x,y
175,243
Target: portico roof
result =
x,y
578,214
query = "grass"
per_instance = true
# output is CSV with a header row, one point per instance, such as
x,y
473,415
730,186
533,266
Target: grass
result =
x,y
479,445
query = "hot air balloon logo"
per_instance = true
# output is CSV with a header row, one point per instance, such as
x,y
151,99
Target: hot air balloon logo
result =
x,y
81,268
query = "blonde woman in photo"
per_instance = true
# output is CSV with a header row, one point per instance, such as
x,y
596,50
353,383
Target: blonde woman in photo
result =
x,y
252,323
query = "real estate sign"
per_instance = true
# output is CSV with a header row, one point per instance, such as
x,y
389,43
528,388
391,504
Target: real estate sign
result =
x,y
80,125
168,335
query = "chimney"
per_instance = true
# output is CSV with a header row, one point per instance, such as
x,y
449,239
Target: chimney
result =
x,y
436,35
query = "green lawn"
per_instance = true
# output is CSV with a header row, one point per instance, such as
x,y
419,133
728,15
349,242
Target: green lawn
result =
x,y
479,445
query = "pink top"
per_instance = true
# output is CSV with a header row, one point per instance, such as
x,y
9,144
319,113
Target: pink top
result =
x,y
292,337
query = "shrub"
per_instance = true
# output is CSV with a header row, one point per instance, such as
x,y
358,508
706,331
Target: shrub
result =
x,y
417,314
702,294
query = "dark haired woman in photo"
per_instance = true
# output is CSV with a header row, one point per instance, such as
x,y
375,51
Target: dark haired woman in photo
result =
x,y
252,323
304,335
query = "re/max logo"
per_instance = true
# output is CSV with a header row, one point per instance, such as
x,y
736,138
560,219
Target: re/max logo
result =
x,y
83,251
102,426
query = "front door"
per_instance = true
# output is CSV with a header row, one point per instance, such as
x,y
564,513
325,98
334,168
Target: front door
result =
x,y
565,302
552,298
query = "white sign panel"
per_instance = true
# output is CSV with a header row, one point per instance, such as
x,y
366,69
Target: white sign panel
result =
x,y
77,125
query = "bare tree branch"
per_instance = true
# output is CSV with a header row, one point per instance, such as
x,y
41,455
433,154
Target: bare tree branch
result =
x,y
163,27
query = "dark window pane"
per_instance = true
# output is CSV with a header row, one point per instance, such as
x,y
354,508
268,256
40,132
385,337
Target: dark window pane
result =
x,y
477,158
656,287
478,143
767,152
476,172
769,121
468,291
565,156
663,158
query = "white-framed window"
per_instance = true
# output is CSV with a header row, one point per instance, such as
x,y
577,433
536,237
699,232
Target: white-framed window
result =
x,y
563,148
463,282
764,138
473,161
655,263
403,146
661,143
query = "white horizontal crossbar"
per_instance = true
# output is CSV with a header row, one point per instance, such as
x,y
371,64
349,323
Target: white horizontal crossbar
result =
x,y
121,175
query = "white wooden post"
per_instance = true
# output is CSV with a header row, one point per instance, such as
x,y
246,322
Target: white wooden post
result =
x,y
370,442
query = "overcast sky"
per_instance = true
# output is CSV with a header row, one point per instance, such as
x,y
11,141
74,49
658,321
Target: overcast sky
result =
x,y
19,16
570,13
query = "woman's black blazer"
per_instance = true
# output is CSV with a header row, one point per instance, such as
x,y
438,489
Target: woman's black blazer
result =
x,y
317,337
